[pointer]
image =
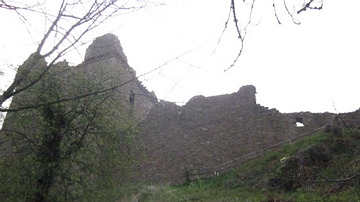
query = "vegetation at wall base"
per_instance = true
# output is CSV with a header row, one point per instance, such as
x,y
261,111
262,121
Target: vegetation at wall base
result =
x,y
78,150
321,167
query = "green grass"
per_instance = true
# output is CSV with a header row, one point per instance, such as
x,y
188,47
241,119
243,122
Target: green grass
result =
x,y
250,182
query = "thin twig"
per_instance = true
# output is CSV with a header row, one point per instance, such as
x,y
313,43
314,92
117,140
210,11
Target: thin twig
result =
x,y
277,17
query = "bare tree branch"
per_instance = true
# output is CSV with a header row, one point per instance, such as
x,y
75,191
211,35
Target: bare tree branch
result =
x,y
275,12
241,35
25,70
242,30
291,14
222,33
7,6
64,37
235,19
308,6
51,28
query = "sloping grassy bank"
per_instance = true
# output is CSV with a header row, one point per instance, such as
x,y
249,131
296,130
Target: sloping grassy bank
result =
x,y
322,167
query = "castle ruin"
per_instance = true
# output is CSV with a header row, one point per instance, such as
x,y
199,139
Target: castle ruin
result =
x,y
207,134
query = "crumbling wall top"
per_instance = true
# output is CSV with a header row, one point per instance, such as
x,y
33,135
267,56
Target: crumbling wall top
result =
x,y
248,93
107,44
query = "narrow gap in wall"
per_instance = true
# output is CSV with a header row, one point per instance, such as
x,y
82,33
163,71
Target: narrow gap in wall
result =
x,y
132,97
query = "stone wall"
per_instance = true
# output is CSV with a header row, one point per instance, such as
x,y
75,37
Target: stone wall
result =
x,y
202,135
351,120
210,131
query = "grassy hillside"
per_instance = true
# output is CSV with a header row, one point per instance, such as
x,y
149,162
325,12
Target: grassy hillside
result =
x,y
323,167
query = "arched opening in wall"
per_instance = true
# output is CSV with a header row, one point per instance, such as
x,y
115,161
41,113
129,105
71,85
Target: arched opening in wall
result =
x,y
299,122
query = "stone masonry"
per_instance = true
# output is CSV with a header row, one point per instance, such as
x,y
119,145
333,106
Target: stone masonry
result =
x,y
210,131
202,135
107,63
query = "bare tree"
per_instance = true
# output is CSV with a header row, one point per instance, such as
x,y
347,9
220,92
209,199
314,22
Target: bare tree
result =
x,y
248,7
66,28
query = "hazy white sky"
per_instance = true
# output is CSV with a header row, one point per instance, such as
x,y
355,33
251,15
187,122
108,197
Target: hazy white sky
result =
x,y
294,68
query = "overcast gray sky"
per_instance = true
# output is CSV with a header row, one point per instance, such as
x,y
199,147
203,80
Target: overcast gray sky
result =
x,y
295,68
305,67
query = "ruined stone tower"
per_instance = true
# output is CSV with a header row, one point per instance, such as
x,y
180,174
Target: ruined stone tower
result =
x,y
107,63
104,72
